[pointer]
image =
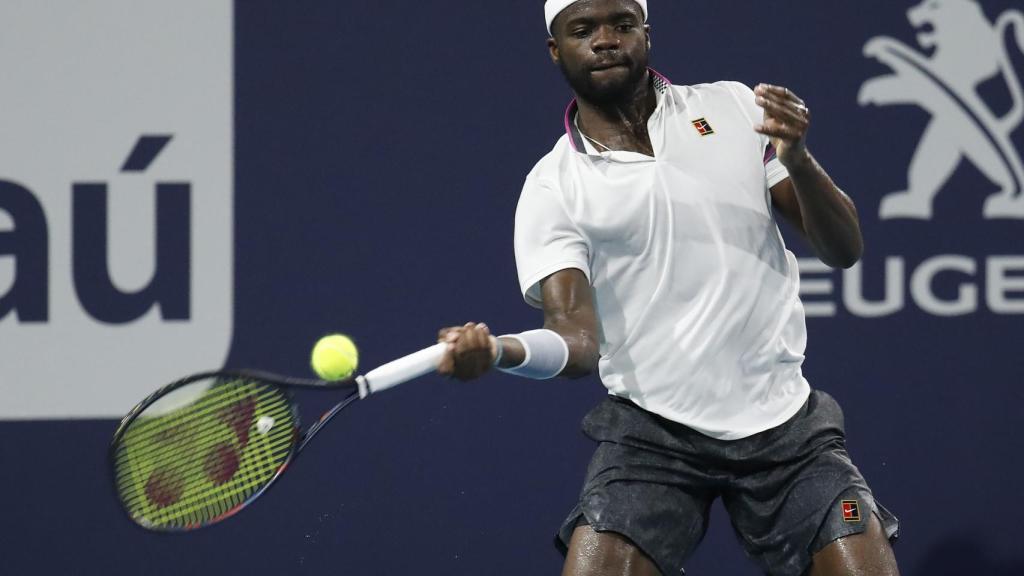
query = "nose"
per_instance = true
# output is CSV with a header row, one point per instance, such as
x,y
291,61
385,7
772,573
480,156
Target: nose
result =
x,y
604,38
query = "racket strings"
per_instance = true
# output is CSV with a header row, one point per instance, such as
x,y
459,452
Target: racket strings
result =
x,y
205,458
175,438
166,484
220,464
186,431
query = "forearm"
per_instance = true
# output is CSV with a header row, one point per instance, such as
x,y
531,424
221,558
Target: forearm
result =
x,y
583,349
582,345
828,215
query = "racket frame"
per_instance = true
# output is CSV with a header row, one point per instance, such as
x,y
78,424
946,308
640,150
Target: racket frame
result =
x,y
299,439
381,378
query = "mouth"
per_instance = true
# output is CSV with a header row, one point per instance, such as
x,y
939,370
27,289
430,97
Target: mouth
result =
x,y
921,19
607,66
926,36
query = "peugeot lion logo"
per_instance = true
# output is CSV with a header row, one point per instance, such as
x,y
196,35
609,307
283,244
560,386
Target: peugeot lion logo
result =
x,y
966,50
958,50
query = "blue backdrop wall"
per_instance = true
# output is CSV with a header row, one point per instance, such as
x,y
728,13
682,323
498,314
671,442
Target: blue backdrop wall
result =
x,y
379,149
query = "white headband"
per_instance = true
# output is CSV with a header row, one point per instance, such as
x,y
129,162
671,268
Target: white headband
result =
x,y
553,8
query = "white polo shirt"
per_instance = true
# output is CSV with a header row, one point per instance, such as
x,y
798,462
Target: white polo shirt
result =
x,y
696,293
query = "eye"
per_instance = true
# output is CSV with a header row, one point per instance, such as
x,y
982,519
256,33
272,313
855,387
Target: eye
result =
x,y
625,27
579,33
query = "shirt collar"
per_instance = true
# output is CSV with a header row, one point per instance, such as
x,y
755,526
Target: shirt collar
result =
x,y
661,85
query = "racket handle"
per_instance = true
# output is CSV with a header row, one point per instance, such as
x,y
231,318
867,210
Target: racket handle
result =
x,y
401,370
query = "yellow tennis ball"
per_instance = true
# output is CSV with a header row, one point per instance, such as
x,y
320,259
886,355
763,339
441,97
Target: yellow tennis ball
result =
x,y
335,357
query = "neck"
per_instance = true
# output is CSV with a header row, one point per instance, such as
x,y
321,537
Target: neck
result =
x,y
622,122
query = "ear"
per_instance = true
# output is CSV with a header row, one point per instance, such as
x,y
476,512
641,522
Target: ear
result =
x,y
553,50
647,31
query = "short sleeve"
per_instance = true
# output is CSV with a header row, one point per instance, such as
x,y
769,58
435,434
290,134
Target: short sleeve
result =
x,y
774,171
546,239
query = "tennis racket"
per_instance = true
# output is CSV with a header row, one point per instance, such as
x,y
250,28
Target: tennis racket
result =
x,y
200,449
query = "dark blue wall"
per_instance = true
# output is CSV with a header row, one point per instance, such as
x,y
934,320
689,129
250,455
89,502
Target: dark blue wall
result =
x,y
380,149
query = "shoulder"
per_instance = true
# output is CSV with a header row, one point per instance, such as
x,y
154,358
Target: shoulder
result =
x,y
547,173
724,91
549,182
724,97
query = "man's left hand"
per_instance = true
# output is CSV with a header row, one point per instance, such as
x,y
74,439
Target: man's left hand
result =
x,y
786,121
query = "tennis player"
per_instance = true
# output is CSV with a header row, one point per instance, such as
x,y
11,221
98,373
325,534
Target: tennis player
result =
x,y
648,237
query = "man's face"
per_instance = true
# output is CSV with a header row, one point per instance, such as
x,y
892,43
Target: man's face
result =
x,y
601,47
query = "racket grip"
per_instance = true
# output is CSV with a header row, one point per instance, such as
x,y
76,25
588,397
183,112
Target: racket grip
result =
x,y
401,370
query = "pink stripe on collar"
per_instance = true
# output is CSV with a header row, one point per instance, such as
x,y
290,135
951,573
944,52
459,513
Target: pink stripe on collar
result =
x,y
568,125
665,81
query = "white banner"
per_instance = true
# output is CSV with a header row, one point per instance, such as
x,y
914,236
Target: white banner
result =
x,y
116,200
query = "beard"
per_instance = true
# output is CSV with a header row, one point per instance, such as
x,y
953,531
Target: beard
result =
x,y
613,90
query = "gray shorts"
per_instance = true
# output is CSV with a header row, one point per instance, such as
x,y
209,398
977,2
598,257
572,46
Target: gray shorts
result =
x,y
789,491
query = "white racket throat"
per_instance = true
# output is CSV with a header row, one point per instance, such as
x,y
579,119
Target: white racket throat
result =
x,y
401,370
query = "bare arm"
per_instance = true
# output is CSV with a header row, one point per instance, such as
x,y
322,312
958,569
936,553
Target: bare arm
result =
x,y
568,310
809,199
822,213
